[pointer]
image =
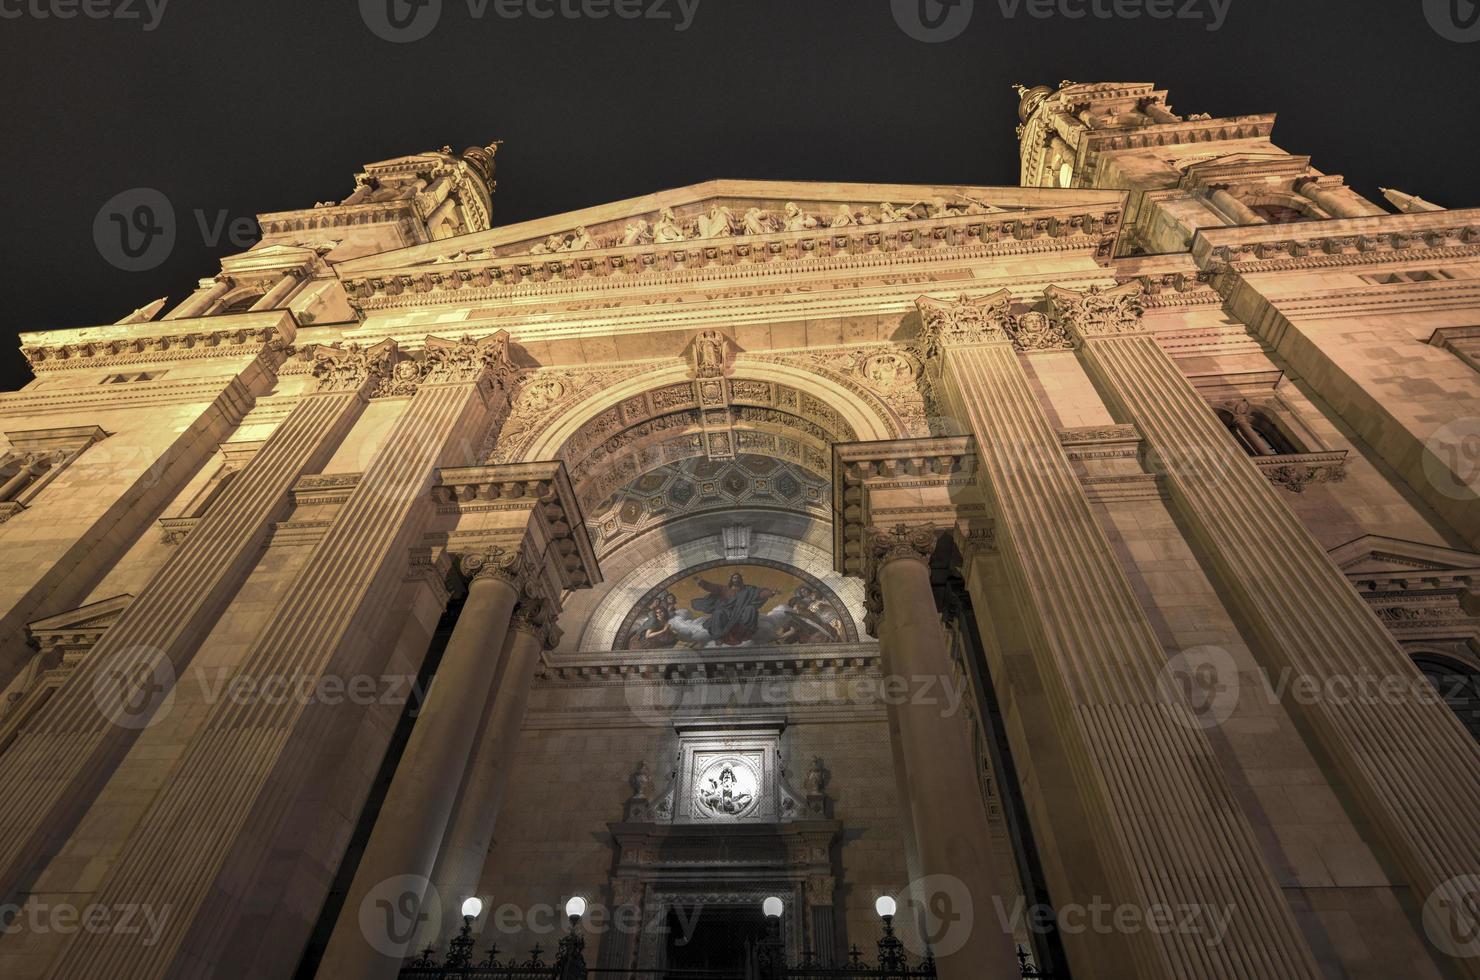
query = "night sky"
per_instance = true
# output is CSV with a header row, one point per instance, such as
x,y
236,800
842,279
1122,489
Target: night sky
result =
x,y
235,107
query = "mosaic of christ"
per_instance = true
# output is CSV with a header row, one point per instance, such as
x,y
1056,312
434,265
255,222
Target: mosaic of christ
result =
x,y
735,606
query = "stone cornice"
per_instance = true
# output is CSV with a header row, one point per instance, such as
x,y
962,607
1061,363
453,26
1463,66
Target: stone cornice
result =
x,y
840,249
949,459
56,401
1373,240
710,665
545,487
97,348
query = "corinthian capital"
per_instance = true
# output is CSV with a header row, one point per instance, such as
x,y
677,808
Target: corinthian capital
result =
x,y
349,367
901,542
964,321
1098,312
466,360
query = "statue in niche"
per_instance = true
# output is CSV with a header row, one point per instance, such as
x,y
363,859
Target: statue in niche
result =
x,y
667,229
641,782
798,220
711,354
817,776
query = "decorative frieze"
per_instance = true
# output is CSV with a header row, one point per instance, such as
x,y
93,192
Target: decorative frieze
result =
x,y
141,343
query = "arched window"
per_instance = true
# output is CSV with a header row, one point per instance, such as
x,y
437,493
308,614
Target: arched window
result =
x,y
1279,214
241,305
1255,431
1457,683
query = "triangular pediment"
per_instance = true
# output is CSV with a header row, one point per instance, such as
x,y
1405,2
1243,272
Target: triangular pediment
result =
x,y
1378,555
93,616
747,208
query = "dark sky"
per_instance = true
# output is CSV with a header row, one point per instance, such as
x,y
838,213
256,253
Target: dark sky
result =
x,y
247,106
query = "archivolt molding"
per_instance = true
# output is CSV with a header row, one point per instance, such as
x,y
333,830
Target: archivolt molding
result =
x,y
564,414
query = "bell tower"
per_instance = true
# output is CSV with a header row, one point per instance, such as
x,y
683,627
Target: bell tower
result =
x,y
1183,172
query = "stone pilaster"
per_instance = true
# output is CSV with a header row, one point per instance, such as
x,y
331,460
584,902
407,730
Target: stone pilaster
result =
x,y
951,839
1407,759
58,765
1170,836
228,802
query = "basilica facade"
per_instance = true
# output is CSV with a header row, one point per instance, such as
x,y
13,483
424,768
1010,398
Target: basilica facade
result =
x,y
1085,572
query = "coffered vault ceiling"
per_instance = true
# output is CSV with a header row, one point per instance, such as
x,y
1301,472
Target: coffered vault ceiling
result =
x,y
696,486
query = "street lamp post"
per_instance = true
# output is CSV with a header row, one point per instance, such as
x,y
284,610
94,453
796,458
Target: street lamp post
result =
x,y
570,962
460,950
772,956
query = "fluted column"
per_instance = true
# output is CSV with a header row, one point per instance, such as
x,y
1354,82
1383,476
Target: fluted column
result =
x,y
412,820
1236,210
200,304
1169,834
951,838
459,867
229,801
1405,756
56,767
